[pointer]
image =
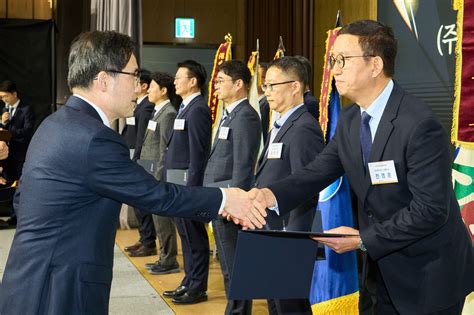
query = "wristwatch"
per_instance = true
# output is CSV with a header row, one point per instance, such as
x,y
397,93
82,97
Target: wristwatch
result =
x,y
362,246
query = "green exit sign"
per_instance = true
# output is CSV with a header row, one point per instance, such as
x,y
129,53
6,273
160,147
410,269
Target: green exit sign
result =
x,y
184,28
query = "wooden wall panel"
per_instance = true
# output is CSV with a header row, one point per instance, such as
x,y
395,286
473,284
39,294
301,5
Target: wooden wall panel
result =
x,y
213,20
325,12
42,10
3,9
20,9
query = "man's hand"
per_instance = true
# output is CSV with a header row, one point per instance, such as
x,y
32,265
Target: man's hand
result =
x,y
240,209
262,198
3,150
5,117
341,244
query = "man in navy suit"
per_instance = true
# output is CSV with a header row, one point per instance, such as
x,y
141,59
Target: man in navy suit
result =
x,y
77,174
18,118
397,158
188,150
294,141
232,161
311,103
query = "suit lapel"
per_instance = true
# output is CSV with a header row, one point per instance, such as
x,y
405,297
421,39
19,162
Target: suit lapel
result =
x,y
182,115
384,130
157,116
227,123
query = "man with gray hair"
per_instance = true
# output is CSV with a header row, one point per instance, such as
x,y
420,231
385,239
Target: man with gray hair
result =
x,y
61,258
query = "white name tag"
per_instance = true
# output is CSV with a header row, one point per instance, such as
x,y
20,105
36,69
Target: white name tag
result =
x,y
179,124
130,121
274,151
224,133
383,172
152,125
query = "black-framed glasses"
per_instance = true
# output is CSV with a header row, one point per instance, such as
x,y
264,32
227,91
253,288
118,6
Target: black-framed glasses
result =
x,y
135,73
220,81
340,60
269,86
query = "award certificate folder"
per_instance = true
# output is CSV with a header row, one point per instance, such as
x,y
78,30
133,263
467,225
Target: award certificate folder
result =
x,y
179,177
222,184
273,265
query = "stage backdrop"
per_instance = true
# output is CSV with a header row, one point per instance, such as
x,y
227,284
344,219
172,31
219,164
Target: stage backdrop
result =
x,y
425,65
26,58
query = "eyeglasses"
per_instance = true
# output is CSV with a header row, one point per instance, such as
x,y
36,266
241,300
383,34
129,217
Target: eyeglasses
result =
x,y
220,81
269,86
135,74
340,60
179,78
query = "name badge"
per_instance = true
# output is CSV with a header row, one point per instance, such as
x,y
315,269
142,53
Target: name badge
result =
x,y
224,133
152,125
130,121
383,172
179,124
274,151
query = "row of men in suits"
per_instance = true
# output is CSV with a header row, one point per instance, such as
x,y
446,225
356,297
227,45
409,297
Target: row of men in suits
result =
x,y
18,118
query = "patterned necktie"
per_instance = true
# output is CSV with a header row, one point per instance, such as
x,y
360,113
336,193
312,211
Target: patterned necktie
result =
x,y
365,137
181,107
153,113
223,119
275,129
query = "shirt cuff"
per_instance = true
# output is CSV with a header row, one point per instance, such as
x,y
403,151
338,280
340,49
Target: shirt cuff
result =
x,y
224,199
275,208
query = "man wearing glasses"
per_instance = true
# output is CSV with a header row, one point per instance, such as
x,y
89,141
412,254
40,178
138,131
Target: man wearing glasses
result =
x,y
294,141
76,175
396,156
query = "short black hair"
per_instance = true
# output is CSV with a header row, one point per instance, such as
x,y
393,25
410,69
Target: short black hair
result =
x,y
145,76
237,70
292,66
8,86
307,65
92,52
165,80
195,70
375,39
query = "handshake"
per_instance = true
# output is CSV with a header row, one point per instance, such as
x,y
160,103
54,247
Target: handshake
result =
x,y
248,208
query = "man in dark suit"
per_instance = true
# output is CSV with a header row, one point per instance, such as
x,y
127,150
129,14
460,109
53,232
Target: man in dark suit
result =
x,y
295,140
262,102
310,101
61,258
396,156
157,134
232,161
188,150
18,118
133,131
133,135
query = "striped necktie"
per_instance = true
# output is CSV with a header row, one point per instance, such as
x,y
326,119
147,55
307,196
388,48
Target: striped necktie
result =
x,y
365,137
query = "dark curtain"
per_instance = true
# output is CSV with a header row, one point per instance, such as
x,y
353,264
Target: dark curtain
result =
x,y
292,19
26,58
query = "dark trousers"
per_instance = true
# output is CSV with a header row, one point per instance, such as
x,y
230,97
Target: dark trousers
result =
x,y
195,246
146,228
225,234
166,232
384,305
289,307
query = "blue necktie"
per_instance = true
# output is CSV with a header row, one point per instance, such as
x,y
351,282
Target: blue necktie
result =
x,y
223,119
365,137
181,107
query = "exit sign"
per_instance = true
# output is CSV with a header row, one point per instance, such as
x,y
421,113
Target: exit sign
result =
x,y
184,28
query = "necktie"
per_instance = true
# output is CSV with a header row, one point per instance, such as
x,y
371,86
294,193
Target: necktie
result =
x,y
181,107
153,113
365,137
10,110
275,129
223,119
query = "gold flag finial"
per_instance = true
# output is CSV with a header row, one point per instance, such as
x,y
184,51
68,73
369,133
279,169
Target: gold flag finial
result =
x,y
228,38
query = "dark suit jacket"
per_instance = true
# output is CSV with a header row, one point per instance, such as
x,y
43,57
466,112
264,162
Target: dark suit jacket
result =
x,y
302,141
265,115
21,126
189,148
412,229
61,258
312,104
154,143
235,158
133,135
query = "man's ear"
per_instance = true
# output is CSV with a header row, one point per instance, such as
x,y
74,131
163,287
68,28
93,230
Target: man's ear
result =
x,y
102,78
377,64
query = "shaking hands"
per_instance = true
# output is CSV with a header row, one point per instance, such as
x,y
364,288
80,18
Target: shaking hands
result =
x,y
248,208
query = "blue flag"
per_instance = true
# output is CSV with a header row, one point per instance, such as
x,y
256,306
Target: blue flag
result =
x,y
335,286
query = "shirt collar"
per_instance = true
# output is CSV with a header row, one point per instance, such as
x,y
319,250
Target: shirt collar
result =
x,y
376,109
16,104
188,99
141,99
99,111
281,121
159,106
233,105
